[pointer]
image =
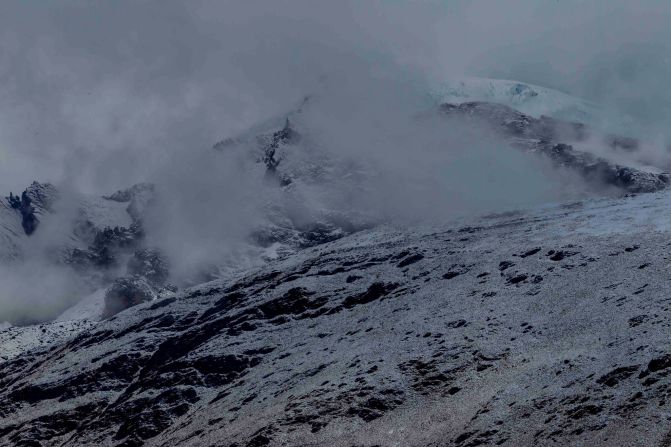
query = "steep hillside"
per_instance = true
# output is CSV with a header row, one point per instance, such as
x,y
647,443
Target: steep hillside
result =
x,y
526,328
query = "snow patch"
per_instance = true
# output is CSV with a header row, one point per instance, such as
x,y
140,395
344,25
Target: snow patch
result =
x,y
530,99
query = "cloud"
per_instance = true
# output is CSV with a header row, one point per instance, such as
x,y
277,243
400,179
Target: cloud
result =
x,y
134,81
95,96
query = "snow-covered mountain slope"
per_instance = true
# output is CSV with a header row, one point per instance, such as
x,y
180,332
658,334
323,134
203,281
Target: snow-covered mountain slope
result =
x,y
14,341
86,313
315,189
530,99
306,187
308,195
89,308
598,158
522,328
85,238
88,216
20,215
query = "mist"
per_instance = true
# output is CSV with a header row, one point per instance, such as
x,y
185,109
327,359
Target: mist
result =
x,y
95,97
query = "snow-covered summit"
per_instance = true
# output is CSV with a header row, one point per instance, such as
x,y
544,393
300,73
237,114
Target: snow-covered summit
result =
x,y
529,99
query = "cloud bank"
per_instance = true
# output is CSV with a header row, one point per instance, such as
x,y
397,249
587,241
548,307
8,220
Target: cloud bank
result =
x,y
96,96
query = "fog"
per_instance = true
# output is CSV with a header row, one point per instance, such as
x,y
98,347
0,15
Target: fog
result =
x,y
97,96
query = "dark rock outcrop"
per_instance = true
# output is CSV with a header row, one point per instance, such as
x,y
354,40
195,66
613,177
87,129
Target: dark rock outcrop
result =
x,y
282,136
551,138
126,292
150,264
35,200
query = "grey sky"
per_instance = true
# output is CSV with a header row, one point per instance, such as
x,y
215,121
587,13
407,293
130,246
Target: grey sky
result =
x,y
97,95
95,92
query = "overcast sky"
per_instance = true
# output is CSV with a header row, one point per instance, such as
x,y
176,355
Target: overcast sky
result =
x,y
98,95
97,92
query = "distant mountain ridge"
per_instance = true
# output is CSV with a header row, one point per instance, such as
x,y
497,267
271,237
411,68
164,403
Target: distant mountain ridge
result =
x,y
530,99
300,211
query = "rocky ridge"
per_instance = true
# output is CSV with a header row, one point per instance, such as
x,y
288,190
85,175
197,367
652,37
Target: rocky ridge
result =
x,y
554,139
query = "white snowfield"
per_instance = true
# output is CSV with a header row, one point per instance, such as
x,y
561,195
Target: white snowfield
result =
x,y
15,340
530,99
104,213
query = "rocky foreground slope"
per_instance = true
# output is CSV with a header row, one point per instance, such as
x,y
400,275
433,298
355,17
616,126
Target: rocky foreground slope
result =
x,y
542,328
